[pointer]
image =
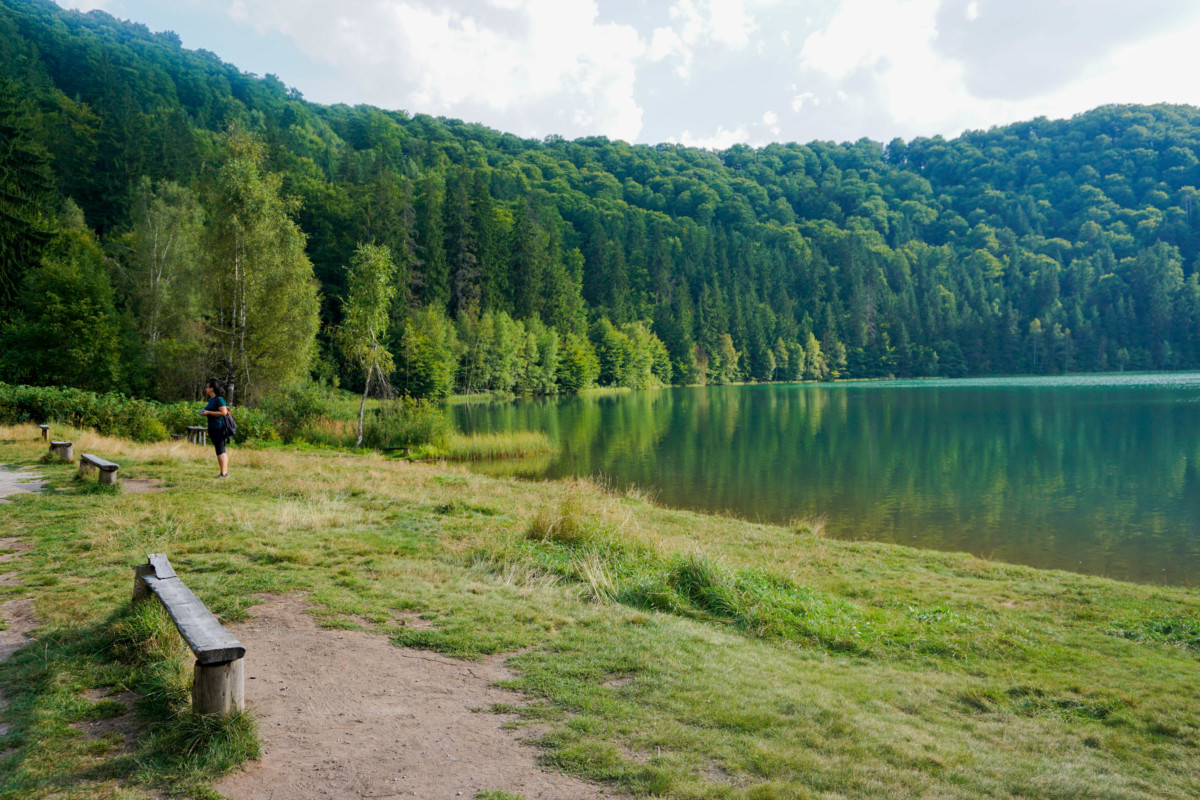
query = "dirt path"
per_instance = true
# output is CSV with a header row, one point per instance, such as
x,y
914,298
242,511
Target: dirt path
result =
x,y
345,714
17,615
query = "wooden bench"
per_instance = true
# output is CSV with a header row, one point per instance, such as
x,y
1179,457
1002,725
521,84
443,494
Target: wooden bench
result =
x,y
64,450
218,678
197,434
108,470
45,432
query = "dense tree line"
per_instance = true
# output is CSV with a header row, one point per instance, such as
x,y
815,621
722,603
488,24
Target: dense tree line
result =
x,y
164,215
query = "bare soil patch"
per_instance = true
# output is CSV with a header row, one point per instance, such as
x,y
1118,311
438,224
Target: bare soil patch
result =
x,y
14,480
142,486
13,548
18,615
125,725
345,714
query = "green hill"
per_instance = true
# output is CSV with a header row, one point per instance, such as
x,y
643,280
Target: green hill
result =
x,y
1041,247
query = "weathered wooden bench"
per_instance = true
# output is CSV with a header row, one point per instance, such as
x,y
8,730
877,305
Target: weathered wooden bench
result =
x,y
218,678
175,437
64,450
45,432
108,470
197,434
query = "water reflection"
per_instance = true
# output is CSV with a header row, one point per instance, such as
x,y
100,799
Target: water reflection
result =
x,y
1096,474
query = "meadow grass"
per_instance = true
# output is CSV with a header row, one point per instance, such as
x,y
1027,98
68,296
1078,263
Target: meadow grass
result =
x,y
667,653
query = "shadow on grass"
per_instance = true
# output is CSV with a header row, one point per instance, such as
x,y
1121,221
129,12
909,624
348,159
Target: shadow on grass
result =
x,y
135,650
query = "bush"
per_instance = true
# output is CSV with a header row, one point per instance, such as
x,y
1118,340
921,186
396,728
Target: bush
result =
x,y
297,407
111,414
406,422
254,425
115,414
176,417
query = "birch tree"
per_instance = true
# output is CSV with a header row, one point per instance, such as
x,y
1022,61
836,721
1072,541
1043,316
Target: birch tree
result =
x,y
366,311
164,240
264,319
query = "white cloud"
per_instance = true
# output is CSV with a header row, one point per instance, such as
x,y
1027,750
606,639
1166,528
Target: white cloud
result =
x,y
721,140
695,24
529,66
803,99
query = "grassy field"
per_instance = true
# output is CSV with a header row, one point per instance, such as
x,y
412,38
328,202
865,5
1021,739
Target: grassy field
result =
x,y
669,654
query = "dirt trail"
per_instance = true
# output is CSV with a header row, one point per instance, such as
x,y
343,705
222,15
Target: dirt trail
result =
x,y
345,714
17,615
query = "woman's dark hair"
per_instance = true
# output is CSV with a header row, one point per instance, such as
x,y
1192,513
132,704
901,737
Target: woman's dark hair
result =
x,y
216,386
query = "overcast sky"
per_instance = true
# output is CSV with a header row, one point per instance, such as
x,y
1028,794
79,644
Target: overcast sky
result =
x,y
708,73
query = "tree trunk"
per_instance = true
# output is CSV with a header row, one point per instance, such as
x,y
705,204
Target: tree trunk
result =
x,y
362,407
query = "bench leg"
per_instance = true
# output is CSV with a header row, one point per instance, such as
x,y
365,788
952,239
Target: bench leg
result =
x,y
219,688
108,477
86,470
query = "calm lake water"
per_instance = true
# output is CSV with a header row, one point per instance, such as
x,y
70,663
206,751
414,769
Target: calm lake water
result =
x,y
1096,474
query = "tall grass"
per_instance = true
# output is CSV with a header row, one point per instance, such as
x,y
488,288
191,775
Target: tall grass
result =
x,y
510,444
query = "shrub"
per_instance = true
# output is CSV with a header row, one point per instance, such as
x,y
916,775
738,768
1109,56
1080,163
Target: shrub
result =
x,y
176,417
406,422
297,407
111,414
254,425
115,414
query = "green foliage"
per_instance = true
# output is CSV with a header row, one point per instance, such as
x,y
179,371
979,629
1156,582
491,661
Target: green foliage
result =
x,y
632,356
162,283
26,191
296,407
578,366
1043,246
367,309
406,422
176,417
67,331
254,425
109,414
115,414
427,355
265,316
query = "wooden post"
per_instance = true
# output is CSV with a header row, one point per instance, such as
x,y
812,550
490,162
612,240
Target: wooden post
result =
x,y
140,590
64,450
219,688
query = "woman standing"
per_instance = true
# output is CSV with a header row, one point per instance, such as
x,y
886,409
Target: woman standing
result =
x,y
216,411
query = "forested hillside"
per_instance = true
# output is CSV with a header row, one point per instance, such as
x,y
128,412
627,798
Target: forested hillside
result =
x,y
165,215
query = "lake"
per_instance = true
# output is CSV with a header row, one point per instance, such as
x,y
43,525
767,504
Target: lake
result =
x,y
1094,473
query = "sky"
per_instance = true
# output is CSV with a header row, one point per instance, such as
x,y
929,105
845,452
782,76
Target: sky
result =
x,y
706,73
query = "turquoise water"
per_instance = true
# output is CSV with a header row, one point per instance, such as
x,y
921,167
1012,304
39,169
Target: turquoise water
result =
x,y
1095,473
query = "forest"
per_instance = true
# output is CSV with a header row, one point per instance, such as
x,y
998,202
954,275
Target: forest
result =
x,y
165,217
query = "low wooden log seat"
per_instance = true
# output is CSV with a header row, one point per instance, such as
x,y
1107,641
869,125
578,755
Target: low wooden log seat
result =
x,y
64,450
197,434
107,469
45,432
218,678
175,437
